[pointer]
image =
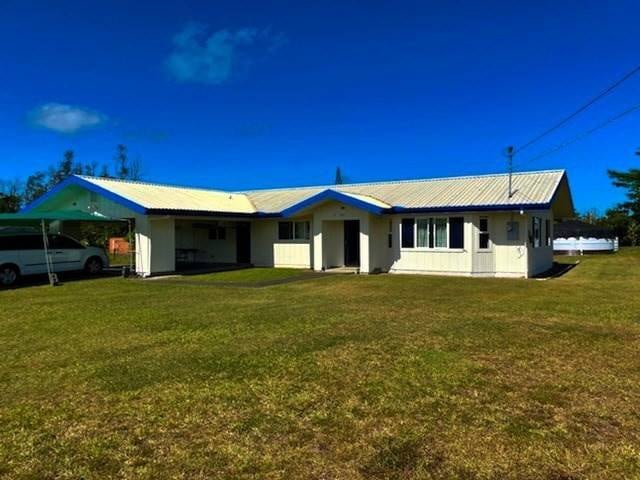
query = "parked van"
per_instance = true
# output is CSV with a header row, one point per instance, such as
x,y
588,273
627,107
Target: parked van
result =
x,y
23,254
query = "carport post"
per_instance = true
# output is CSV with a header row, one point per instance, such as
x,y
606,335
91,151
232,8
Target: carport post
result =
x,y
131,252
53,279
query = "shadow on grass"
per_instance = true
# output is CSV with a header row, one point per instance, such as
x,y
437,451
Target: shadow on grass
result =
x,y
63,277
557,270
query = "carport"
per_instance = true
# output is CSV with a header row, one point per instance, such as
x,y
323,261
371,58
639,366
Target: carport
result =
x,y
43,220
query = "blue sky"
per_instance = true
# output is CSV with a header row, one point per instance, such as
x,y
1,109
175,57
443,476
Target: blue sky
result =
x,y
241,95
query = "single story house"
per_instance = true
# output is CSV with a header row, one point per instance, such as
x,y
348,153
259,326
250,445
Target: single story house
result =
x,y
471,225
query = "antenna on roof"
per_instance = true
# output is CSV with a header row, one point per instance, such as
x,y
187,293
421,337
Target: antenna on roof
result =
x,y
510,152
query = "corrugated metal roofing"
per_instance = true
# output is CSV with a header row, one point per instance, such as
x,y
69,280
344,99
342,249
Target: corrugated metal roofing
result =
x,y
165,197
470,191
367,199
529,188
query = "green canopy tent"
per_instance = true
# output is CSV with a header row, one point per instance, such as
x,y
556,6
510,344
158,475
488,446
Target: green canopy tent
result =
x,y
42,218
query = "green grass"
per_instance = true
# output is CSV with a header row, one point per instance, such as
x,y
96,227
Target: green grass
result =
x,y
348,377
248,275
116,259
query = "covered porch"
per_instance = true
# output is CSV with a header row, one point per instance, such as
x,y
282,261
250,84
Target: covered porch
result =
x,y
193,244
350,231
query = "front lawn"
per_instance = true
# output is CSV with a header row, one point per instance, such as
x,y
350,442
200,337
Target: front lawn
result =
x,y
248,275
347,377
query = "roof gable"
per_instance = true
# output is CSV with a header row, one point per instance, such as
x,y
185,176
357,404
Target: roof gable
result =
x,y
363,202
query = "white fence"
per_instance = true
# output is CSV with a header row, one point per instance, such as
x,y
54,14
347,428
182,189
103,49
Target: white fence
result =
x,y
585,245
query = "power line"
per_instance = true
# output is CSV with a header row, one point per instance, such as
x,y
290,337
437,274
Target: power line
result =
x,y
582,135
604,93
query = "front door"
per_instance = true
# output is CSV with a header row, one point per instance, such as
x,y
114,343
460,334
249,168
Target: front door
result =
x,y
243,242
352,243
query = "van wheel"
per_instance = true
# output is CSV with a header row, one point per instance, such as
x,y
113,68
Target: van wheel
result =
x,y
9,275
93,266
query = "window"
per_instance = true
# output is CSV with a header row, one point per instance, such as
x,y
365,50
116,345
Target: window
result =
x,y
285,230
423,232
456,232
440,225
21,242
407,232
63,243
217,233
536,232
31,242
440,232
484,233
301,230
390,235
294,230
547,232
513,231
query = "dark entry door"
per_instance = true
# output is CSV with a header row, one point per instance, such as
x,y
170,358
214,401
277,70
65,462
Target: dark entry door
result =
x,y
243,242
352,243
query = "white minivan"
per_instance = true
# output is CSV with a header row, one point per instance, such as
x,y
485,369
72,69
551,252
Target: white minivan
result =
x,y
23,254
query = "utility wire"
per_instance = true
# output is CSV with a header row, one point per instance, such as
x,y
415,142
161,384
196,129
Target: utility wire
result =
x,y
604,93
583,134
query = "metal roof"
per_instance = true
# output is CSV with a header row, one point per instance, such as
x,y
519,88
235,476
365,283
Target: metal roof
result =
x,y
529,188
164,197
479,192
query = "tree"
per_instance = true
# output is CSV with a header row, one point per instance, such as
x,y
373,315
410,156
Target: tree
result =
x,y
590,216
135,169
36,186
90,169
104,173
339,179
618,220
629,180
10,196
633,233
122,162
63,170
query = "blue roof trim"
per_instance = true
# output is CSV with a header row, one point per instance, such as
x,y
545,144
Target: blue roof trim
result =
x,y
333,195
473,208
74,180
328,194
199,213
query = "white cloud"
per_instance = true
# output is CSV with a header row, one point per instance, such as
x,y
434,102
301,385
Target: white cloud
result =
x,y
65,118
213,59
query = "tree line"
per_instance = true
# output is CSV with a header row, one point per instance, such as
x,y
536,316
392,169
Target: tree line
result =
x,y
14,194
624,218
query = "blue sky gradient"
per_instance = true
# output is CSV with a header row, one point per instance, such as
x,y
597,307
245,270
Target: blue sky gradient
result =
x,y
239,95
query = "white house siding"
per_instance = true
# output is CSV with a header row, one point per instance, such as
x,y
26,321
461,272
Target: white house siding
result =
x,y
503,258
163,244
506,258
337,212
379,252
268,251
332,243
431,261
540,259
